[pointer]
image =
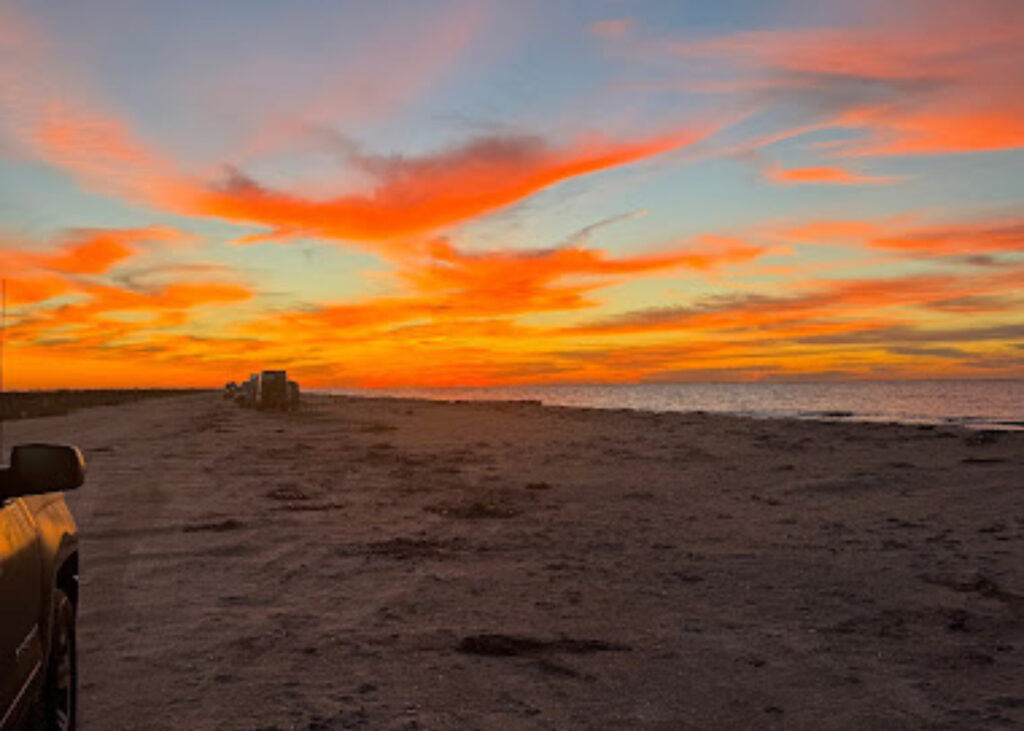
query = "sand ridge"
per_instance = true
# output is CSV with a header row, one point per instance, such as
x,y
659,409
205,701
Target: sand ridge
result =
x,y
400,564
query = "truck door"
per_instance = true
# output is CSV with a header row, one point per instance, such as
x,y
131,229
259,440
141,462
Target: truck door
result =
x,y
21,585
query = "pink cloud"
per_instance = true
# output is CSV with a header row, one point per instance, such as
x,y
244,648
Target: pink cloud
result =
x,y
612,28
823,175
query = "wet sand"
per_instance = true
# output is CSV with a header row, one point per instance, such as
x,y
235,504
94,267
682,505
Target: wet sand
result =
x,y
389,564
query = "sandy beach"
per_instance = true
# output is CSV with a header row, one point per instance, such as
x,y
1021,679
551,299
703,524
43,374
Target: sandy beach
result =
x,y
400,564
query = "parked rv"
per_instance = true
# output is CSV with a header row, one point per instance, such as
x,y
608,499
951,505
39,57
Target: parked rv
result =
x,y
247,391
268,390
272,390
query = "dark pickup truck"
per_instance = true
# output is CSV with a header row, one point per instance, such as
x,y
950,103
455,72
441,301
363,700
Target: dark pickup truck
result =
x,y
38,588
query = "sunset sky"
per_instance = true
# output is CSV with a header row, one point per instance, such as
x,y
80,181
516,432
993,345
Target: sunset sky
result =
x,y
471,193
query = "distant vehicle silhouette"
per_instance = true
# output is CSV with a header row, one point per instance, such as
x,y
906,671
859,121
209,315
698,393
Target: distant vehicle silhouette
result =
x,y
272,390
231,390
245,394
267,390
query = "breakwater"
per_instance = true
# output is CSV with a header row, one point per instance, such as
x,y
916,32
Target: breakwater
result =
x,y
31,404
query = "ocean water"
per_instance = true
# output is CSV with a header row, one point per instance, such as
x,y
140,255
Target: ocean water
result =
x,y
997,404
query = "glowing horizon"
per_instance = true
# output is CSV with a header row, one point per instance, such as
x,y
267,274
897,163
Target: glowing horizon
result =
x,y
477,193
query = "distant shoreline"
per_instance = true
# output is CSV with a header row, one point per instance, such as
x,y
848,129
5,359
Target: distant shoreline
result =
x,y
976,405
57,402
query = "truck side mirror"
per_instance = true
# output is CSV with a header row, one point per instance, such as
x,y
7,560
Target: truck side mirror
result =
x,y
40,468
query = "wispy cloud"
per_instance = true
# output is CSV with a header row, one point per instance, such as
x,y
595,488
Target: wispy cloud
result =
x,y
824,175
941,84
38,274
450,286
829,302
967,239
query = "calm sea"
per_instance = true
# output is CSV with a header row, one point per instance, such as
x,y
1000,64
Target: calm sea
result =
x,y
976,404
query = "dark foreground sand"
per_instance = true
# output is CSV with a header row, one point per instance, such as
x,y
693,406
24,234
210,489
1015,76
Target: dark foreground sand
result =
x,y
387,564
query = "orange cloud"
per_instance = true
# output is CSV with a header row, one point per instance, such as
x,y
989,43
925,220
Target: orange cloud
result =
x,y
962,239
93,320
36,276
172,299
94,256
185,295
448,285
459,322
93,317
938,131
83,251
825,230
827,304
94,328
416,196
831,175
29,289
953,240
511,279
